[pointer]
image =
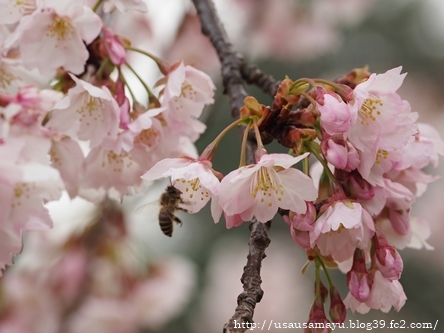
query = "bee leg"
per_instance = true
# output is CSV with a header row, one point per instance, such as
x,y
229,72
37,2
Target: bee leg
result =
x,y
182,209
177,220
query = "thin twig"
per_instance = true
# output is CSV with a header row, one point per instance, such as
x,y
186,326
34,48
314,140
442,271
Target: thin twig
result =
x,y
254,75
233,81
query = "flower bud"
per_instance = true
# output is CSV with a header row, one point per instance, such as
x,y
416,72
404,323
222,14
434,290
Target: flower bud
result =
x,y
336,116
336,154
359,280
360,188
114,47
400,221
301,224
316,316
388,260
337,310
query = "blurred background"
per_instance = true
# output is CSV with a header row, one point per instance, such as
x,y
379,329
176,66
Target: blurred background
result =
x,y
142,281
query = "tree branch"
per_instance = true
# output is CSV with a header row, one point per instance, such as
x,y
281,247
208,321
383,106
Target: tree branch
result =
x,y
253,75
234,72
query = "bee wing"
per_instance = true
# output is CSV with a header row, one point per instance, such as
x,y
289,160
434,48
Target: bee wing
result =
x,y
150,208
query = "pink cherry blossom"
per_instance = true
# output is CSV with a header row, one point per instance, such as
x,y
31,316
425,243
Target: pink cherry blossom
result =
x,y
260,189
107,169
12,11
24,189
87,113
67,157
384,123
54,35
342,228
336,116
187,91
196,179
383,295
26,110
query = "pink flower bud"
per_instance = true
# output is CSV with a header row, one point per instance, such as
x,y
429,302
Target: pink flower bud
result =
x,y
400,221
323,292
388,260
344,91
316,316
304,222
361,188
302,238
233,220
337,310
359,280
353,159
340,153
336,116
336,154
301,224
114,47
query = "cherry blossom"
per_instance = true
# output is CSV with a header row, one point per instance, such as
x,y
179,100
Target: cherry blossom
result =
x,y
107,169
384,295
196,179
87,113
12,11
342,228
187,91
53,35
260,189
24,189
67,157
384,123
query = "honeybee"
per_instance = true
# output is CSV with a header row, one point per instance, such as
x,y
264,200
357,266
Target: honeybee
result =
x,y
169,203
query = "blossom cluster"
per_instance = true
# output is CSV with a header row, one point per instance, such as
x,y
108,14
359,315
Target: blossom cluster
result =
x,y
354,210
68,117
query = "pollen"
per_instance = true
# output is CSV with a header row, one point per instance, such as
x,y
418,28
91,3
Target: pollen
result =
x,y
117,162
6,77
381,155
61,29
370,109
22,192
266,184
188,91
91,110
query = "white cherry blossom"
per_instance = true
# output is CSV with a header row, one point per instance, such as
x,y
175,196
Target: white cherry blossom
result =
x,y
87,113
260,189
54,35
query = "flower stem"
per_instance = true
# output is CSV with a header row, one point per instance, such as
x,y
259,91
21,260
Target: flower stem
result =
x,y
162,64
330,282
133,97
151,96
102,68
317,280
313,148
209,151
97,5
243,157
258,135
307,96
